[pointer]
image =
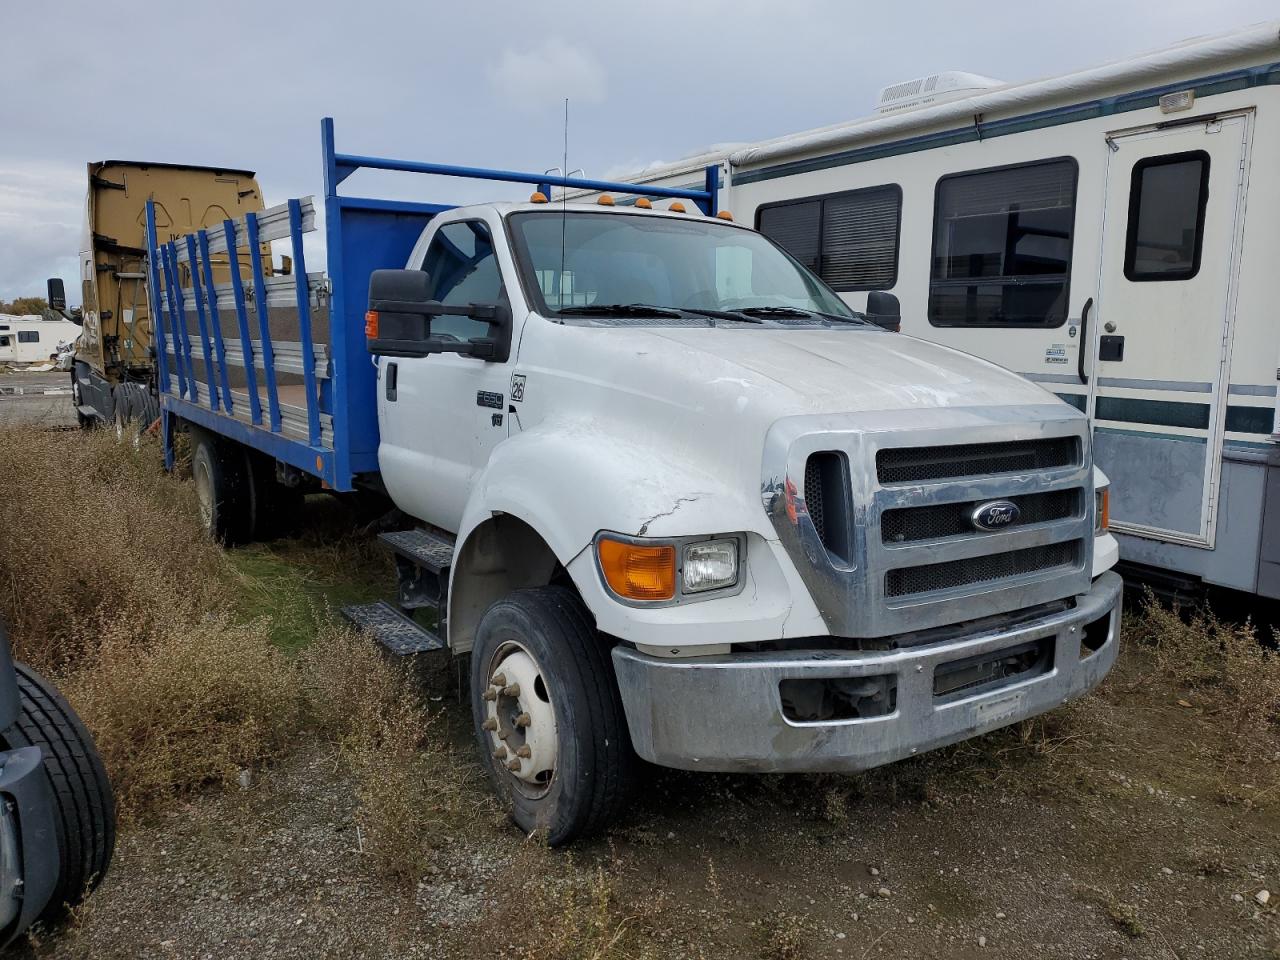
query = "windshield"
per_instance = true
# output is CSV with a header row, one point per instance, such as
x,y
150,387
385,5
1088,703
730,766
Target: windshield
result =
x,y
584,262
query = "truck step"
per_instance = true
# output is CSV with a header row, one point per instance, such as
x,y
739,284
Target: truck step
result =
x,y
421,548
393,629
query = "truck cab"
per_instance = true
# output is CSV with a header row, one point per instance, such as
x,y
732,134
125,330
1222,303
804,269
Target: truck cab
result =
x,y
805,543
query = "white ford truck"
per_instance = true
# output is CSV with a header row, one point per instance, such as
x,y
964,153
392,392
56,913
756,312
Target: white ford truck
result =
x,y
672,496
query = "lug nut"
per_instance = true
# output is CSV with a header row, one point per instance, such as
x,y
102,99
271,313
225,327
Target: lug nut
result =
x,y
511,690
524,752
491,694
490,724
523,720
513,765
499,680
500,753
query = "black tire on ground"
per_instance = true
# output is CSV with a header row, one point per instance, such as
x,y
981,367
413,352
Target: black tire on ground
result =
x,y
86,813
222,489
277,509
595,766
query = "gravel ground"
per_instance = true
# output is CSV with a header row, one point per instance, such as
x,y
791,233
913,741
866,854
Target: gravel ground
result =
x,y
1114,832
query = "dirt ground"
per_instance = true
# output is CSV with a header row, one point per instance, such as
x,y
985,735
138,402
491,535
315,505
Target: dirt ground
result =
x,y
1111,830
1141,821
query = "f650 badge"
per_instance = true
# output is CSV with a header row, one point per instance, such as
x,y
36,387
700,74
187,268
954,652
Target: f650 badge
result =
x,y
995,515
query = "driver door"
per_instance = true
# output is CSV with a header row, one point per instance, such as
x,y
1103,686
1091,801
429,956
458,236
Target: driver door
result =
x,y
440,416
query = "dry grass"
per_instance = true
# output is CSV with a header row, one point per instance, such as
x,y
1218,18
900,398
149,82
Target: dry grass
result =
x,y
165,646
413,791
91,532
1216,665
548,908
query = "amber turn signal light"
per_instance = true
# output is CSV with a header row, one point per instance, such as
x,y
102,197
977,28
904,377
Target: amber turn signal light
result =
x,y
371,325
638,571
1104,509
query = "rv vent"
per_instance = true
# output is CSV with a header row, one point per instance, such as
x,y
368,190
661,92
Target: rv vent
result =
x,y
936,88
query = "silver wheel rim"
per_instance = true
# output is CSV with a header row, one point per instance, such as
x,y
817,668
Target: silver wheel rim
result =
x,y
204,493
520,720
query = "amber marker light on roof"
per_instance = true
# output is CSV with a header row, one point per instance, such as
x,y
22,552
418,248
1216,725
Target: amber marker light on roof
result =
x,y
643,203
676,207
538,197
725,215
638,571
605,200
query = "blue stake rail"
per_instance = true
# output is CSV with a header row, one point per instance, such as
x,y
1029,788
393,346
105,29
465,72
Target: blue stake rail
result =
x,y
320,403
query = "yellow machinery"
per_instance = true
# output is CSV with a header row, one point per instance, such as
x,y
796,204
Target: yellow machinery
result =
x,y
113,376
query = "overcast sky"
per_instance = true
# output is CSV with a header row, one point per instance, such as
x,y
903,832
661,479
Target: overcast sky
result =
x,y
244,84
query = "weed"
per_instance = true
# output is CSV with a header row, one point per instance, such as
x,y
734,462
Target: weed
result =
x,y
1223,663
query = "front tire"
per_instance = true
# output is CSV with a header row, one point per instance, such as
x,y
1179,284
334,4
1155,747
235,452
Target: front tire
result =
x,y
548,718
85,816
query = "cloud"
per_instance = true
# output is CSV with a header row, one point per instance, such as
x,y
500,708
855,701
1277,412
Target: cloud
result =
x,y
543,76
41,219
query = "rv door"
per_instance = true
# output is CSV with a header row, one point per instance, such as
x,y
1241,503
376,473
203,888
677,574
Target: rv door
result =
x,y
1158,343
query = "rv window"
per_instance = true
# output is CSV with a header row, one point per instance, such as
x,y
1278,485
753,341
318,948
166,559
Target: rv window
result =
x,y
4,341
849,239
1002,246
28,336
1167,197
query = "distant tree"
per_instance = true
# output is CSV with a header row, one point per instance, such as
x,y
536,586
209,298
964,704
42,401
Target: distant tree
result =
x,y
25,305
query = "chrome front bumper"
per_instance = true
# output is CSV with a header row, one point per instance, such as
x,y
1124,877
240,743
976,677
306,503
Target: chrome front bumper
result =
x,y
725,713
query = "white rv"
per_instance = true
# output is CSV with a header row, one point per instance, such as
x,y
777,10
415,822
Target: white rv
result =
x,y
32,339
1110,234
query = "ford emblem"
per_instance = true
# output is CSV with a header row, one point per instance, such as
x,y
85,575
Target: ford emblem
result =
x,y
995,515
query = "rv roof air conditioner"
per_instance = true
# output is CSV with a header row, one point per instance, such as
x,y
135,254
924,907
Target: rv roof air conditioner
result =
x,y
937,88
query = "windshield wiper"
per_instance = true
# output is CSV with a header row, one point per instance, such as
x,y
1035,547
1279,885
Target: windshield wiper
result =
x,y
619,310
799,312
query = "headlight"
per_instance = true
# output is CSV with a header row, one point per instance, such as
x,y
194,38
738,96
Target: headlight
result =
x,y
657,571
710,565
1101,511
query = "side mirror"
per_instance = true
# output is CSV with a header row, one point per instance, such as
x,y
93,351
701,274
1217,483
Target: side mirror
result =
x,y
57,296
884,310
398,323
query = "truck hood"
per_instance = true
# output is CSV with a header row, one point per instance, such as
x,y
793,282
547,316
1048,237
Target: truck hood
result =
x,y
788,371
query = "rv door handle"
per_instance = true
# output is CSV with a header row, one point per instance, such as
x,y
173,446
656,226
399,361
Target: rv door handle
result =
x,y
1084,336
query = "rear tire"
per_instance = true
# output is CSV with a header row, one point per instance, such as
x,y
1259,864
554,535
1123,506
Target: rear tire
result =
x,y
222,490
85,815
568,737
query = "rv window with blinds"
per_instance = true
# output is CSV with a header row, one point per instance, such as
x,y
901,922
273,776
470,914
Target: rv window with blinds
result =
x,y
1167,198
848,239
1002,246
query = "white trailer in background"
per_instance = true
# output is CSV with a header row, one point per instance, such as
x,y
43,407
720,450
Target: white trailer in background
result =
x,y
1111,234
32,339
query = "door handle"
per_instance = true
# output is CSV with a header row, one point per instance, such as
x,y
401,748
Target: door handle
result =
x,y
391,381
1084,336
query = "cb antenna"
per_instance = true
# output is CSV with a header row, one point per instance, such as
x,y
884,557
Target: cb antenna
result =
x,y
564,213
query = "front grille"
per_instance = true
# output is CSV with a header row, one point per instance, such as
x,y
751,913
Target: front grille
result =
x,y
909,524
827,498
1000,566
919,464
813,496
